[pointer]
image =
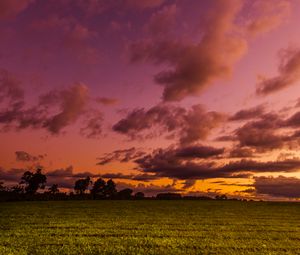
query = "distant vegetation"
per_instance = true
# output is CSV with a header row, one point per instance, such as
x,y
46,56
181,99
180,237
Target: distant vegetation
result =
x,y
32,186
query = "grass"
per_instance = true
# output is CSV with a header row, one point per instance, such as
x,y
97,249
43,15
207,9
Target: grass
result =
x,y
149,227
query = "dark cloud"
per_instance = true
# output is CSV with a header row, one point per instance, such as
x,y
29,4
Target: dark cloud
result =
x,y
188,184
164,163
262,134
135,177
125,155
188,125
289,73
72,103
239,152
11,176
281,186
55,110
251,113
26,157
198,152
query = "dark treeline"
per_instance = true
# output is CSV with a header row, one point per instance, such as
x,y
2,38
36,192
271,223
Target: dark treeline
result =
x,y
31,184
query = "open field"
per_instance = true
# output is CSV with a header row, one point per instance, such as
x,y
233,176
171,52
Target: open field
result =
x,y
149,227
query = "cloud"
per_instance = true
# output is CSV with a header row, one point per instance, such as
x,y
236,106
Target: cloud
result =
x,y
164,163
251,113
262,134
13,175
55,110
239,152
288,73
93,127
280,186
198,151
11,8
72,102
125,155
267,15
107,101
10,87
26,157
196,65
189,125
188,184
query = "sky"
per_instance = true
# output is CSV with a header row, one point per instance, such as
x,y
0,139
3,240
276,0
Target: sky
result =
x,y
196,97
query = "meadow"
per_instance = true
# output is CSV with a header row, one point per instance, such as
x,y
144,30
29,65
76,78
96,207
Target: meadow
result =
x,y
149,227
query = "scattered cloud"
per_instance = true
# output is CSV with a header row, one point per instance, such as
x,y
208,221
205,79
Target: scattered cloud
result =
x,y
267,15
26,157
288,73
125,155
280,186
189,125
246,114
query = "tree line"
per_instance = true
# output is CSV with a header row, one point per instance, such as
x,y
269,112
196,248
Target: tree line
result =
x,y
31,184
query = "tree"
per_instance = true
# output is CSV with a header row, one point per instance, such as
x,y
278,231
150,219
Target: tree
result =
x,y
2,187
110,189
139,195
98,188
53,189
125,193
17,189
33,181
81,185
221,197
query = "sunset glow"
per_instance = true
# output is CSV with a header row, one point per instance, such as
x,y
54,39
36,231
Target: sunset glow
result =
x,y
196,97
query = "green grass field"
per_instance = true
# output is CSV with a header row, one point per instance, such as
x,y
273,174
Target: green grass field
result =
x,y
149,227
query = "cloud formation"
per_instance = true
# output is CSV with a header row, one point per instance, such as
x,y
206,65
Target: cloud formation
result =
x,y
26,157
246,114
125,155
267,15
196,65
280,186
189,125
55,110
165,163
288,73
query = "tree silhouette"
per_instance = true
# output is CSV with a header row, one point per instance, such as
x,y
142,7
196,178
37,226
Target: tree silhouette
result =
x,y
33,181
81,185
110,189
98,188
139,195
125,193
2,187
17,189
53,189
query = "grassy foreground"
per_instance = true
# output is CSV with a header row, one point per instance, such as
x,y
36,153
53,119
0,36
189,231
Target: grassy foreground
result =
x,y
149,227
